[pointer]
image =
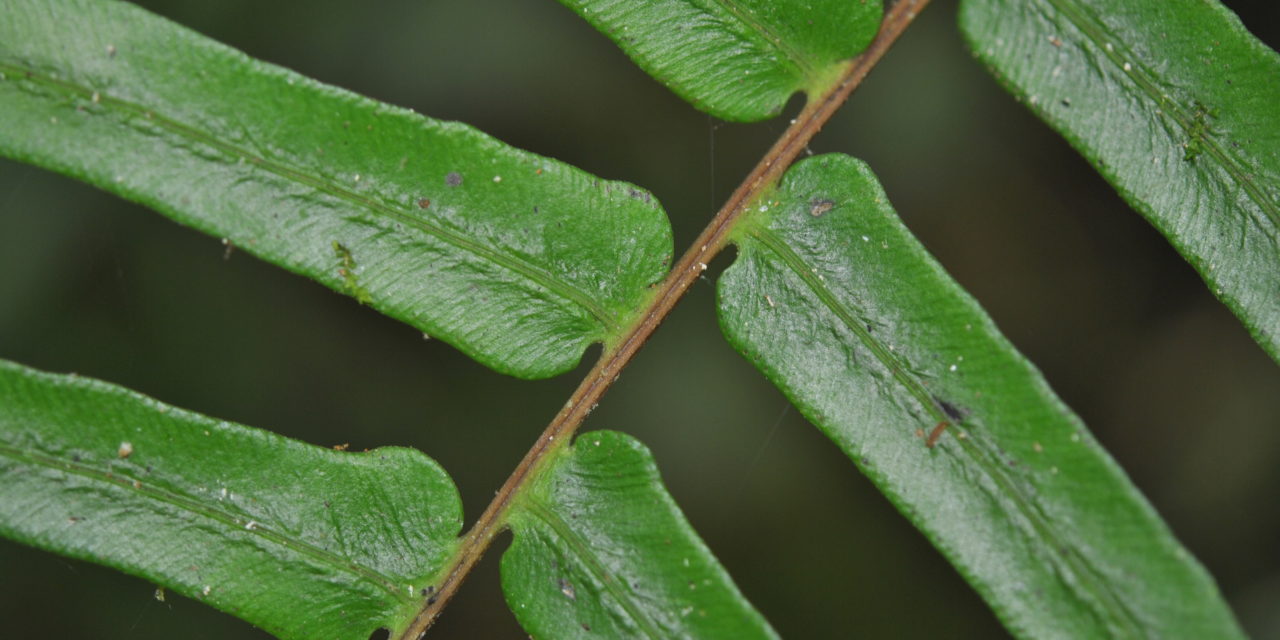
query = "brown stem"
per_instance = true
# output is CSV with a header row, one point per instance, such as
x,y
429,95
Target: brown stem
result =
x,y
691,265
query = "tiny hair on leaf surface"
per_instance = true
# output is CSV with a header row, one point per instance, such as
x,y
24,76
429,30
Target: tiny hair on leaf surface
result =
x,y
433,223
602,551
1174,103
737,60
303,541
1017,493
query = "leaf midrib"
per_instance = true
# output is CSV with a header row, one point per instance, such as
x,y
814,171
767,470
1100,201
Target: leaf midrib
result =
x,y
1116,50
798,58
236,523
616,587
530,271
1057,545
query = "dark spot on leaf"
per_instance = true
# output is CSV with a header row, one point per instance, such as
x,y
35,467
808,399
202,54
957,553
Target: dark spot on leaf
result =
x,y
820,206
423,203
567,589
453,179
585,626
956,414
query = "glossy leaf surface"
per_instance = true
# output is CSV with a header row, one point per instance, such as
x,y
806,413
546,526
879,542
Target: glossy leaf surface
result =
x,y
518,260
1175,104
838,304
737,59
602,551
303,541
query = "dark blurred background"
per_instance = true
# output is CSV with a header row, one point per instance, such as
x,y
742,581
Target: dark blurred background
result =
x,y
1121,326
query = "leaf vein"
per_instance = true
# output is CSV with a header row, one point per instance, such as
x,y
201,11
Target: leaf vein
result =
x,y
1132,66
1058,547
532,272
618,588
236,523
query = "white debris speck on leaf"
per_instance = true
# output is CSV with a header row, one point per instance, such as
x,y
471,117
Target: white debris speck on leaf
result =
x,y
497,178
222,494
866,239
250,525
205,591
160,594
951,368
1128,67
1038,447
95,97
125,450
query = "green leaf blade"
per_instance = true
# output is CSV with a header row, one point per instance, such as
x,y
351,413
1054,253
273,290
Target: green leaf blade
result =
x,y
738,60
602,551
303,541
518,260
1174,103
838,304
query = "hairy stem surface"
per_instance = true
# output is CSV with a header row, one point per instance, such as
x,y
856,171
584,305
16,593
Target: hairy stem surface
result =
x,y
793,141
